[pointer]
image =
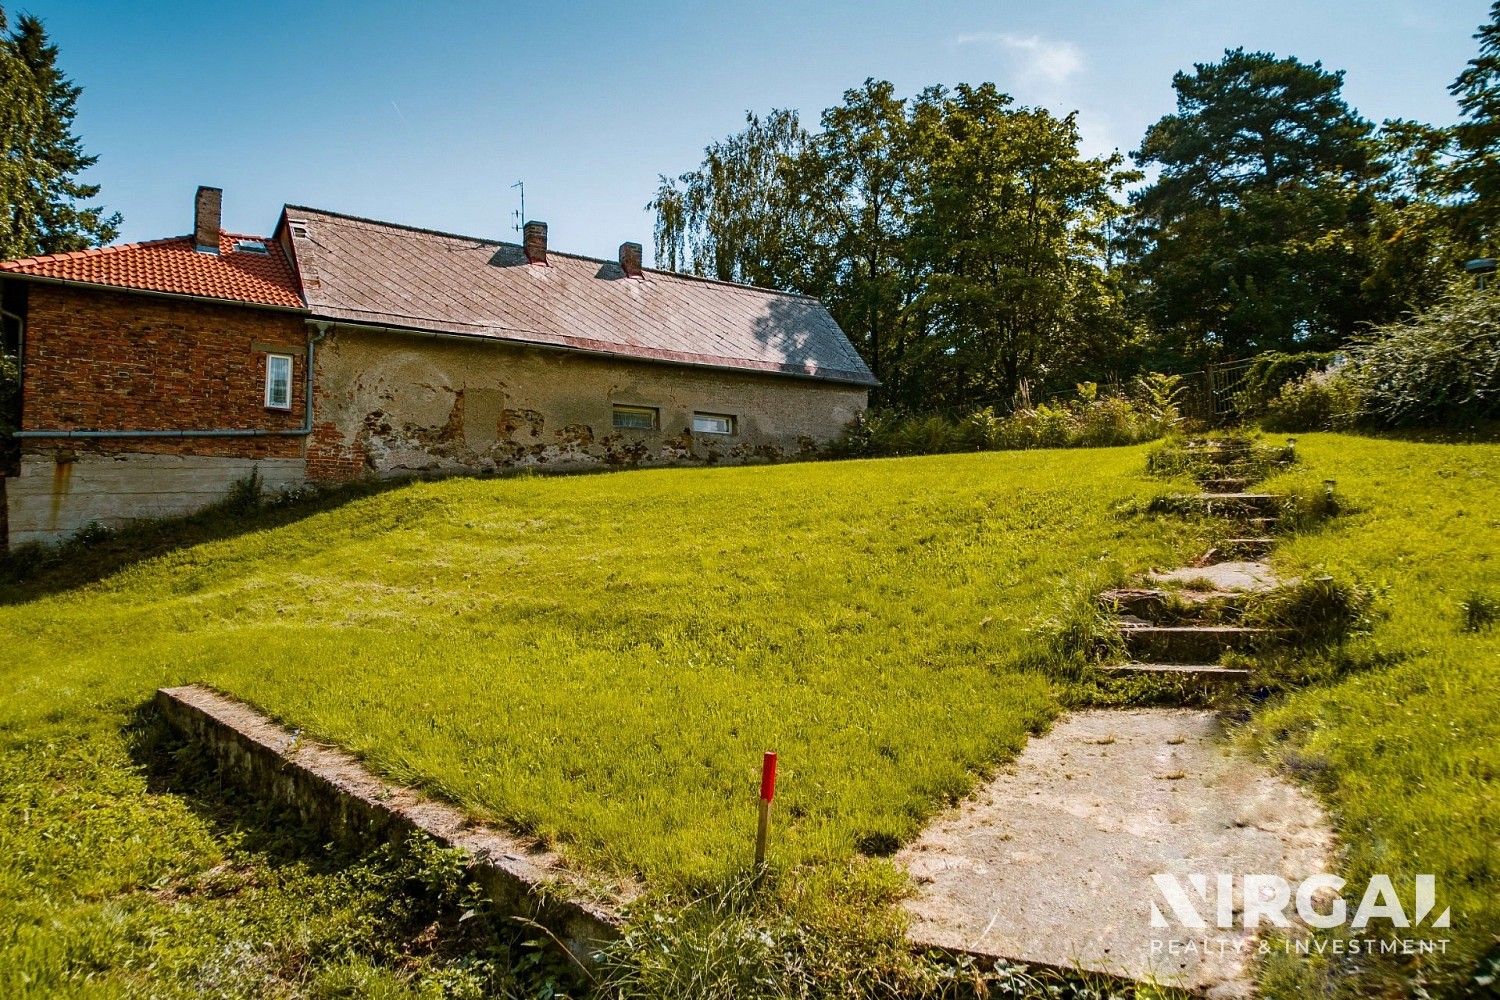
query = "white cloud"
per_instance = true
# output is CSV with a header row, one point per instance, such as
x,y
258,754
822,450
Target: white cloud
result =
x,y
1039,58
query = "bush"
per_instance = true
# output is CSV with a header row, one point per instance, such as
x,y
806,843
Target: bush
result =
x,y
1093,419
1269,372
1319,401
1440,367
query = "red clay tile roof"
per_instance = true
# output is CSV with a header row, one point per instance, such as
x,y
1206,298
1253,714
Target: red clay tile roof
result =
x,y
173,266
378,273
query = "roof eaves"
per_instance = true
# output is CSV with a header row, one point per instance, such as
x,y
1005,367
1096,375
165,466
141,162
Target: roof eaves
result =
x,y
47,279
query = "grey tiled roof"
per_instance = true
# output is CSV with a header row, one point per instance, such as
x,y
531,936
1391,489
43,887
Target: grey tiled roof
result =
x,y
362,271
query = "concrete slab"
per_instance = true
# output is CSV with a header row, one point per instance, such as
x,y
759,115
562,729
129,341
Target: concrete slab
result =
x,y
1250,577
1051,862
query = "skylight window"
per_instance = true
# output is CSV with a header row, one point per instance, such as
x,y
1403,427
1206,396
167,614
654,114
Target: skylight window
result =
x,y
251,246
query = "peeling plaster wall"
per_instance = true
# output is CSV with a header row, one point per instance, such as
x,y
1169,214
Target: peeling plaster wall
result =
x,y
390,404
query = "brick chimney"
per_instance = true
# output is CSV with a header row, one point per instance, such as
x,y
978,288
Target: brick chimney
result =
x,y
535,242
630,259
206,215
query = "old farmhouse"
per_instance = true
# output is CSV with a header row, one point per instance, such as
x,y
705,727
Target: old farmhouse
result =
x,y
154,375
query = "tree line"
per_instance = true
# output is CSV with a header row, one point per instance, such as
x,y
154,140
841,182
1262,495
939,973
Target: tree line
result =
x,y
976,257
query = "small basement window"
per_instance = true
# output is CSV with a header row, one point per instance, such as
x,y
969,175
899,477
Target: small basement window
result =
x,y
713,423
278,381
637,418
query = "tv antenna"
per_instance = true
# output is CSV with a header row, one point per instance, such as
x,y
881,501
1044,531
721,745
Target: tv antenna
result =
x,y
520,215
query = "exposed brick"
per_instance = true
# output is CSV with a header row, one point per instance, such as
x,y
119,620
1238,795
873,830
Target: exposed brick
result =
x,y
99,360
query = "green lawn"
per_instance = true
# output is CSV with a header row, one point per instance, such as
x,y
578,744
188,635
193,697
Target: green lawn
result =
x,y
1405,744
602,659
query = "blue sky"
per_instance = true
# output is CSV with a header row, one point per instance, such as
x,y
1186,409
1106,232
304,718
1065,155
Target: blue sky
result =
x,y
428,118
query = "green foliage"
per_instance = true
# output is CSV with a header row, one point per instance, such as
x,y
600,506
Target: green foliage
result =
x,y
1090,420
245,495
1316,610
824,934
1270,371
126,870
1480,612
954,236
1257,233
1476,172
917,596
1318,401
1177,455
39,187
1442,366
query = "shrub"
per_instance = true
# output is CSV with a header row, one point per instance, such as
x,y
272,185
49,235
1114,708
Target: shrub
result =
x,y
1480,612
1319,401
1269,372
1441,366
245,495
1093,419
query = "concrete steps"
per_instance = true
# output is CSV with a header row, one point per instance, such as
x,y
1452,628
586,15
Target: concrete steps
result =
x,y
1204,672
1189,643
1245,548
1153,604
1225,484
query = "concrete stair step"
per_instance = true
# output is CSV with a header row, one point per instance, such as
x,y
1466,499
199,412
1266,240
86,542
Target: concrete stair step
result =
x,y
1189,643
1151,603
1246,547
1208,672
1232,504
1225,484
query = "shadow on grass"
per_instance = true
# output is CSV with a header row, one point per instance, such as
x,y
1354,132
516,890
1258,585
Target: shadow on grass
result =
x,y
32,571
415,899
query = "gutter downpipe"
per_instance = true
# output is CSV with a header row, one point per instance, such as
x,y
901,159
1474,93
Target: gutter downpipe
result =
x,y
303,431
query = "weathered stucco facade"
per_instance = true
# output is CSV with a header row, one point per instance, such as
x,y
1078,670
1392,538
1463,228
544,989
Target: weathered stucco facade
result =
x,y
391,404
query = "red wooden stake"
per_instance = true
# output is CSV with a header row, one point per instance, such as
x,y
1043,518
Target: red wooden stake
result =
x,y
767,793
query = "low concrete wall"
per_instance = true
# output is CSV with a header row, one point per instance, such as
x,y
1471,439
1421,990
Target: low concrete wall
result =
x,y
59,492
332,791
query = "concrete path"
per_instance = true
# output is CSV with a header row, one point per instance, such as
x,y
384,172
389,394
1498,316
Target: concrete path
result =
x,y
1051,862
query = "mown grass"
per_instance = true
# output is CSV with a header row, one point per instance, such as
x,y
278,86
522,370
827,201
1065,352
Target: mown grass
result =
x,y
601,660
1400,729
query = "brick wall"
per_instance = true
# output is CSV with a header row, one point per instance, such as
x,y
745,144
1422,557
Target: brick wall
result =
x,y
101,360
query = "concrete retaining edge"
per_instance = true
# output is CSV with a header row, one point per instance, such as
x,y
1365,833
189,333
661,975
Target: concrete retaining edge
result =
x,y
334,792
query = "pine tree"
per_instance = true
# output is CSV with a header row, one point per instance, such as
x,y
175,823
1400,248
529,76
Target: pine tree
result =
x,y
1477,170
42,195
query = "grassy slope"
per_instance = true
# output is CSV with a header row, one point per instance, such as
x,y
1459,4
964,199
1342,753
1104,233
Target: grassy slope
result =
x,y
1406,746
602,659
859,616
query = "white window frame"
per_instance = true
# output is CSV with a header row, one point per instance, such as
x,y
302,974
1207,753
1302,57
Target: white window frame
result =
x,y
271,360
728,421
651,412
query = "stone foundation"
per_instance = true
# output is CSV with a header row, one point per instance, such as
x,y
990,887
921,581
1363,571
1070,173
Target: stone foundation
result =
x,y
60,491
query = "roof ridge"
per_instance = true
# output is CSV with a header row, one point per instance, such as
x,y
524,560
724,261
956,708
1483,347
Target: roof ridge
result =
x,y
560,253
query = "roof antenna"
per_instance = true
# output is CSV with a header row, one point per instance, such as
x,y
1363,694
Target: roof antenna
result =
x,y
521,215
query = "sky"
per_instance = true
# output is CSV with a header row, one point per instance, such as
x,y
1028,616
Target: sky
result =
x,y
428,114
